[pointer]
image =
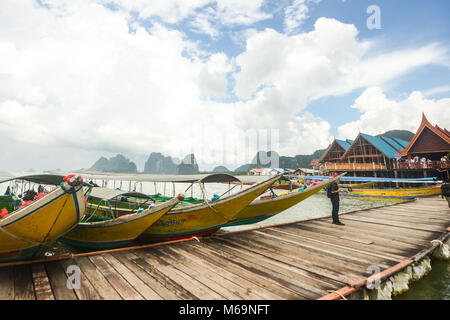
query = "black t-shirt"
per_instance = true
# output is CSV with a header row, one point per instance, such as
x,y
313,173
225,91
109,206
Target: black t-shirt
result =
x,y
333,187
445,188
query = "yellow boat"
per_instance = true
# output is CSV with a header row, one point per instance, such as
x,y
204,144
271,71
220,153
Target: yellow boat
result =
x,y
268,206
100,232
404,193
357,185
186,221
42,221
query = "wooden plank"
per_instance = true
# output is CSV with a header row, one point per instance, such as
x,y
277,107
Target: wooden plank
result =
x,y
307,258
366,242
401,231
377,235
58,281
137,258
313,285
409,219
316,263
162,291
183,279
300,284
253,291
383,243
405,215
441,214
332,248
135,282
23,283
6,283
232,266
116,280
208,279
94,276
395,224
359,240
87,290
42,287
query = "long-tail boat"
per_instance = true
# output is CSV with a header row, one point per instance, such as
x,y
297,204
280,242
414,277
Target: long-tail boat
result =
x,y
122,226
203,219
403,193
43,220
270,205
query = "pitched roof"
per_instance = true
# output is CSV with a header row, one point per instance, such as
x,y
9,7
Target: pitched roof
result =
x,y
387,146
344,143
442,133
381,145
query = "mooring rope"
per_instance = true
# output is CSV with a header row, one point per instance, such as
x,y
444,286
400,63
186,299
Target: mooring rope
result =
x,y
437,241
338,293
71,190
209,205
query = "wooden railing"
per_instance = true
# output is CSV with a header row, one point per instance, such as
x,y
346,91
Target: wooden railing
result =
x,y
420,165
329,166
354,166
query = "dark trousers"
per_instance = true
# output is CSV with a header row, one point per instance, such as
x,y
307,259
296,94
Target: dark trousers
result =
x,y
335,210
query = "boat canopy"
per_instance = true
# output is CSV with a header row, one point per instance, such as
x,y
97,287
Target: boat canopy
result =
x,y
372,179
108,194
50,179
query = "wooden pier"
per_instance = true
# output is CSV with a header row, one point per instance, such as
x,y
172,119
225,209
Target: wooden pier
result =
x,y
304,260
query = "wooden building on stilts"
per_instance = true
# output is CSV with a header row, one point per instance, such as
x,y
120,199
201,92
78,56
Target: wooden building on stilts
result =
x,y
425,155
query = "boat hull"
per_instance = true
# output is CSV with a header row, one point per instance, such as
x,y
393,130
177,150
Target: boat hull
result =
x,y
202,219
41,222
117,232
262,209
406,193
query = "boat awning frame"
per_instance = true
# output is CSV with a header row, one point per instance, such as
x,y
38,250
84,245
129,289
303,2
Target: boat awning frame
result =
x,y
109,194
49,179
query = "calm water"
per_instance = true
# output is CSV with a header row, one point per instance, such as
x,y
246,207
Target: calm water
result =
x,y
436,285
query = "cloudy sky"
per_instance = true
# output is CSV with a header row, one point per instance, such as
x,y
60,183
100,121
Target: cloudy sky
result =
x,y
89,78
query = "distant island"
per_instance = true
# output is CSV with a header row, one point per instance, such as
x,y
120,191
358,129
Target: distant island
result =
x,y
118,164
157,163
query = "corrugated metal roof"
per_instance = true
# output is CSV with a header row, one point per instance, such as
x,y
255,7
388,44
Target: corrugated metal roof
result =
x,y
403,143
343,144
394,143
381,145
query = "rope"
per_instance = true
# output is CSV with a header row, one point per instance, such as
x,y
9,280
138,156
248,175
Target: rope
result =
x,y
338,293
20,238
209,205
437,241
56,219
35,242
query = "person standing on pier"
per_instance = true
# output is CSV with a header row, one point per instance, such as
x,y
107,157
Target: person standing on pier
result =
x,y
445,192
333,194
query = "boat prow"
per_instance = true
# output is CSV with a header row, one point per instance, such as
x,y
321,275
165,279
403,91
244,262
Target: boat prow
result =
x,y
117,232
42,221
261,209
203,219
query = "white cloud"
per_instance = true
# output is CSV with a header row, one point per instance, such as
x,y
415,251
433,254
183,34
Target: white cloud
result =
x,y
168,11
73,77
380,114
330,60
296,14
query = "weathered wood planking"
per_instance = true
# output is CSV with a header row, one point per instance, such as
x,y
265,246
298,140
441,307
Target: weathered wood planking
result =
x,y
303,260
